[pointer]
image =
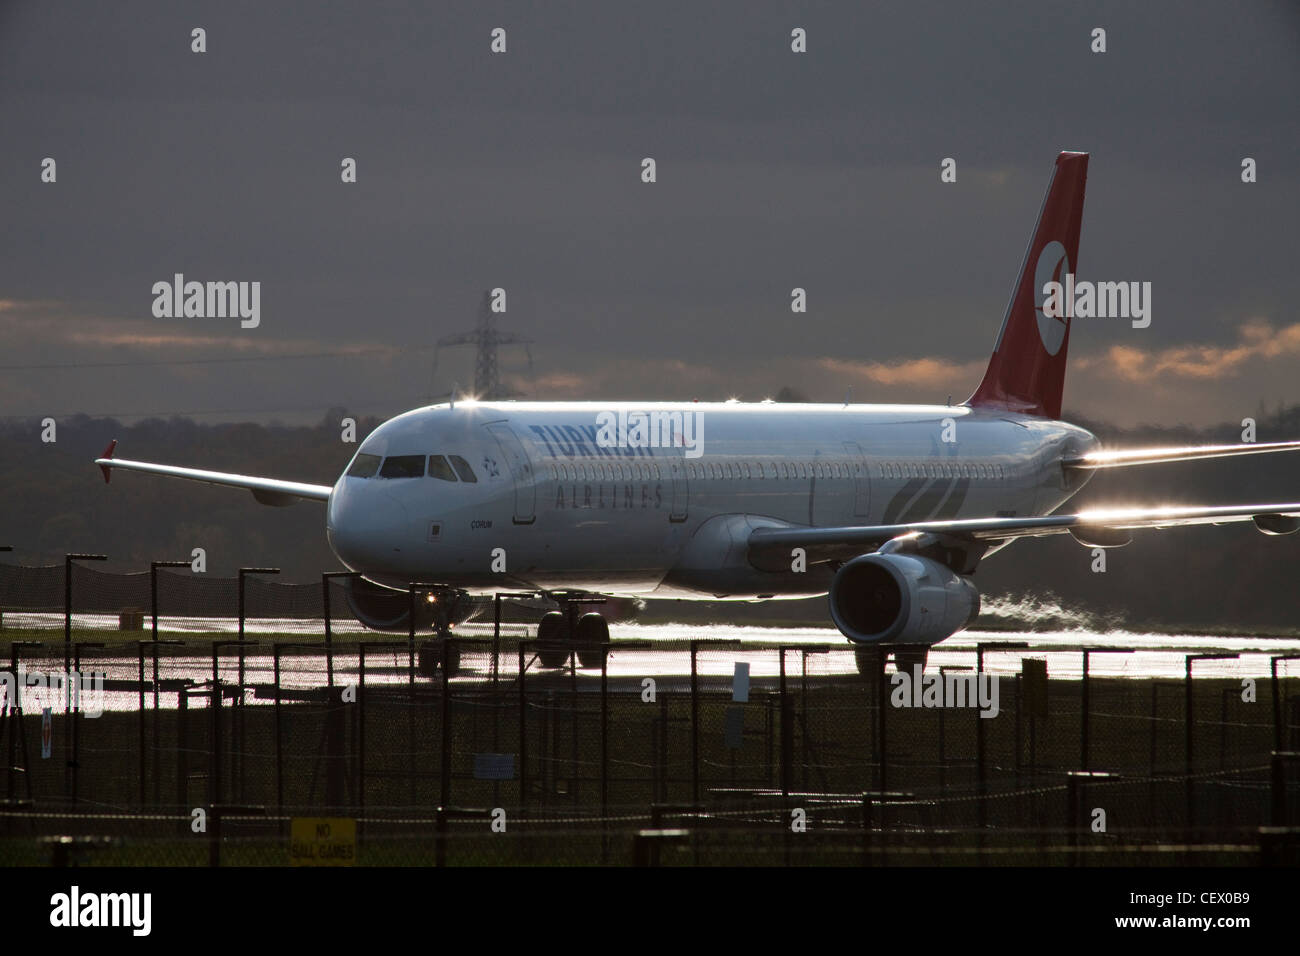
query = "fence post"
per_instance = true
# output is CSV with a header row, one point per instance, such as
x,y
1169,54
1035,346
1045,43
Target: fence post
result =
x,y
1279,761
68,772
604,736
1188,717
1072,815
182,751
695,726
523,729
496,642
1074,782
153,590
237,714
411,590
361,728
1085,721
1277,698
215,761
14,719
361,719
444,793
882,706
76,714
157,727
787,730
214,835
325,578
663,748
215,777
143,783
1016,701
242,573
444,758
214,773
1083,713
805,742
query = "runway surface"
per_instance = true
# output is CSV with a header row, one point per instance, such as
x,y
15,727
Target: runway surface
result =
x,y
663,654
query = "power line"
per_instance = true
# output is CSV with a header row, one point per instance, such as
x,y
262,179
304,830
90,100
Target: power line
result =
x,y
215,361
407,402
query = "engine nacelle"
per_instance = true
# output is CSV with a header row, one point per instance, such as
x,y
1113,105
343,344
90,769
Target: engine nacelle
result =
x,y
901,599
382,609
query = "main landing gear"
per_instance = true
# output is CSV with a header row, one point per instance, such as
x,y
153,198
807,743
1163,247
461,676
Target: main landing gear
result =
x,y
564,632
906,656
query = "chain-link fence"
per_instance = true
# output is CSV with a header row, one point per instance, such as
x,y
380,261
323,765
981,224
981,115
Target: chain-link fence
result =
x,y
489,748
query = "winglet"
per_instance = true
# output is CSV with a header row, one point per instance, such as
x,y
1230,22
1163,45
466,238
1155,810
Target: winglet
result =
x,y
108,453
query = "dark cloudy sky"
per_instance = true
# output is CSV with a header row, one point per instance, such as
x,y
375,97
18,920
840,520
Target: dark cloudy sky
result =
x,y
522,170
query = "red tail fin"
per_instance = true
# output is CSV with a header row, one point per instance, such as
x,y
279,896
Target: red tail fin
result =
x,y
1027,371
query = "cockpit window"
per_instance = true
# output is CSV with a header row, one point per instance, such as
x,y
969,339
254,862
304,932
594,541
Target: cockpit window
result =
x,y
462,468
438,468
403,466
364,466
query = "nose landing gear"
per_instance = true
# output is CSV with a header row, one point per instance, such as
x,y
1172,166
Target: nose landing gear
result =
x,y
442,651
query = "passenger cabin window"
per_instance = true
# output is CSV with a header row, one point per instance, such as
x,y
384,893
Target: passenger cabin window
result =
x,y
438,468
364,466
402,466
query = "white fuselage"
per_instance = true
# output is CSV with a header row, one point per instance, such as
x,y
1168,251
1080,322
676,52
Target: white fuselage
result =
x,y
555,505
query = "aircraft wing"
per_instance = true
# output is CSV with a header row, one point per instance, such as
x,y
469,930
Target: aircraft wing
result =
x,y
268,491
1093,526
1154,456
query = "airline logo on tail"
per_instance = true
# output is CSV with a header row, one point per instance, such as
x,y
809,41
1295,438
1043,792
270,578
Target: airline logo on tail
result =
x,y
1026,373
1053,266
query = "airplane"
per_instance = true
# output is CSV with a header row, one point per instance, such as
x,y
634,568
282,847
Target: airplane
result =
x,y
887,509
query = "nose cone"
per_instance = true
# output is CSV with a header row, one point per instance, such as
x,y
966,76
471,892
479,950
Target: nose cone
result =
x,y
368,529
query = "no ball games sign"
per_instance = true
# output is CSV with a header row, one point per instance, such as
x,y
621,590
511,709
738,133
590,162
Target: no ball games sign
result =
x,y
322,841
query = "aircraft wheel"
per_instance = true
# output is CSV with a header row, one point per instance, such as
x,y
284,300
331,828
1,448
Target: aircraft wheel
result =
x,y
426,659
867,657
452,658
552,647
905,658
430,656
592,640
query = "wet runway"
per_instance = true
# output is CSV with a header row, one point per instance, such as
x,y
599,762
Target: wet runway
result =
x,y
639,651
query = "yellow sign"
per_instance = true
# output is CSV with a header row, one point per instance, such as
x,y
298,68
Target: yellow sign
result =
x,y
322,841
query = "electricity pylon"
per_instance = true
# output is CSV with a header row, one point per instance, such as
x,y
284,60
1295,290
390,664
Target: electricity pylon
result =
x,y
486,338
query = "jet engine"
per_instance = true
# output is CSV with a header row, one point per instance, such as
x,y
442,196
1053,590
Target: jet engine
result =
x,y
382,609
901,599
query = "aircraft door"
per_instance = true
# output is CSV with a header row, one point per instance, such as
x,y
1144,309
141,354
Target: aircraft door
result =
x,y
681,488
521,471
861,479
